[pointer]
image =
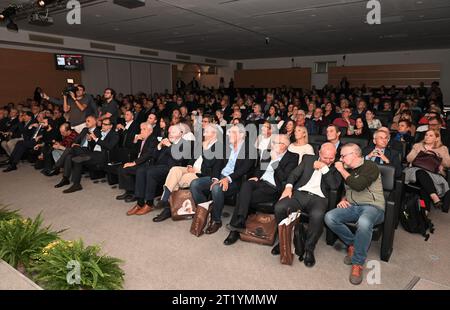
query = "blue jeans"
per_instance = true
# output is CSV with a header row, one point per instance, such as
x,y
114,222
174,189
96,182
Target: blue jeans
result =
x,y
200,193
366,217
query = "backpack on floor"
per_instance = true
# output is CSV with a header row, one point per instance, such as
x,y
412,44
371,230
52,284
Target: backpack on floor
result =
x,y
413,217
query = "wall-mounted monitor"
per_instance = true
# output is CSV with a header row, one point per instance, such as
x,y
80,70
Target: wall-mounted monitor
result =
x,y
69,62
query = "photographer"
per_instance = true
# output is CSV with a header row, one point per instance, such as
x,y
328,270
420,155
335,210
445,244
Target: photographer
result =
x,y
76,104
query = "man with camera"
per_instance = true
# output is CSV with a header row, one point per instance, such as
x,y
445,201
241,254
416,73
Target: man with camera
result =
x,y
76,104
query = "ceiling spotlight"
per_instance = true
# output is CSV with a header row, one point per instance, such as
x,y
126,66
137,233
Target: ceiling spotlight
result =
x,y
7,16
43,3
7,13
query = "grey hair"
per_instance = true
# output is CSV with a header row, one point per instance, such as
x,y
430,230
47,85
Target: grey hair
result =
x,y
355,148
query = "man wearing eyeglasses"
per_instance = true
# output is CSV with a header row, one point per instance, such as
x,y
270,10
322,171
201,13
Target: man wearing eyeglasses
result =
x,y
99,142
363,203
265,186
307,189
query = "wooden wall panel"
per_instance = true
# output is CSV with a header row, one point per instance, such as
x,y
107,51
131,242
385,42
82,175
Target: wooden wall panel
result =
x,y
270,78
21,71
377,75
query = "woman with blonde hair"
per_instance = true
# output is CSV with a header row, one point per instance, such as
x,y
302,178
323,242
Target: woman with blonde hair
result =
x,y
301,145
433,186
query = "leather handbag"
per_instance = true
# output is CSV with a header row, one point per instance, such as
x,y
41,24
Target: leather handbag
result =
x,y
182,205
429,161
260,228
200,218
285,233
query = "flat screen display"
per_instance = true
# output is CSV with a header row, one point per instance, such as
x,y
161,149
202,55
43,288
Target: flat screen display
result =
x,y
69,62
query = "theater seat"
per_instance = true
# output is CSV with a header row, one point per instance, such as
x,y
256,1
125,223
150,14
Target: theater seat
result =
x,y
361,142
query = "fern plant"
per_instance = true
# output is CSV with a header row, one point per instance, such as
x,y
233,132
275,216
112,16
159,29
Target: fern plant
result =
x,y
22,239
69,265
6,215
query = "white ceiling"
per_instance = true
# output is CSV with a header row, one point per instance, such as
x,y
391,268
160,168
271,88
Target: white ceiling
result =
x,y
236,29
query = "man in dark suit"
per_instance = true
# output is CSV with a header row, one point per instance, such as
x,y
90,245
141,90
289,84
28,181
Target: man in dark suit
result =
x,y
16,125
266,185
32,131
127,148
100,142
80,146
307,189
146,143
241,157
170,153
381,153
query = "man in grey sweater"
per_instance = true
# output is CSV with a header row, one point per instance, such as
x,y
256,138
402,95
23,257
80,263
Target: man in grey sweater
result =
x,y
363,203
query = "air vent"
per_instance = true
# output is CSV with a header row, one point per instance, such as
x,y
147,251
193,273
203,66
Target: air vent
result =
x,y
211,61
41,38
101,46
183,57
149,52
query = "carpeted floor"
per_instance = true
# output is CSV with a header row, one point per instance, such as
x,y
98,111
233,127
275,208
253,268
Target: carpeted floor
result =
x,y
166,256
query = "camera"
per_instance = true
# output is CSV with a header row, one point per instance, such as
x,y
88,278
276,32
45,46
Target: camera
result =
x,y
70,88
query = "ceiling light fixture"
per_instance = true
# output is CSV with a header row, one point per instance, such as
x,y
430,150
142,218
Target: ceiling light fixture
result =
x,y
7,16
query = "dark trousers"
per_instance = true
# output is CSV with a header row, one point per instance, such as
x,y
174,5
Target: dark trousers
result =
x,y
148,180
425,182
200,189
313,205
48,157
127,177
66,159
20,148
252,193
92,159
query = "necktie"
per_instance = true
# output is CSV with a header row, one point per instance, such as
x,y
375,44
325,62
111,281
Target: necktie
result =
x,y
142,146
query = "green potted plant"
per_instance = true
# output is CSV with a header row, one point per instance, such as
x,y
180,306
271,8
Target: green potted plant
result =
x,y
22,239
69,265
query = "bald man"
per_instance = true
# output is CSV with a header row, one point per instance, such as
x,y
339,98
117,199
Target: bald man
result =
x,y
307,189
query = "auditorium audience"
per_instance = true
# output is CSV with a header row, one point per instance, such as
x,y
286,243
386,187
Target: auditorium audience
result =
x,y
139,133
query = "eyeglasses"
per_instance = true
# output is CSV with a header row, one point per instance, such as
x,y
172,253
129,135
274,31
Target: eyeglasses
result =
x,y
343,155
275,142
106,124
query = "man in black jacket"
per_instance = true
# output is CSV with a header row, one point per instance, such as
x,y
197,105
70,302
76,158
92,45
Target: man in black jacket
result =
x,y
14,130
100,142
31,132
241,157
382,153
307,189
80,146
170,153
146,143
127,132
265,186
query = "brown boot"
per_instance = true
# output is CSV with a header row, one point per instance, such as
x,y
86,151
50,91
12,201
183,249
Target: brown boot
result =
x,y
348,258
356,275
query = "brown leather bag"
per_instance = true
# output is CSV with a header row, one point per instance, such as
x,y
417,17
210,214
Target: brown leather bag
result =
x,y
429,161
182,206
260,228
200,219
285,234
